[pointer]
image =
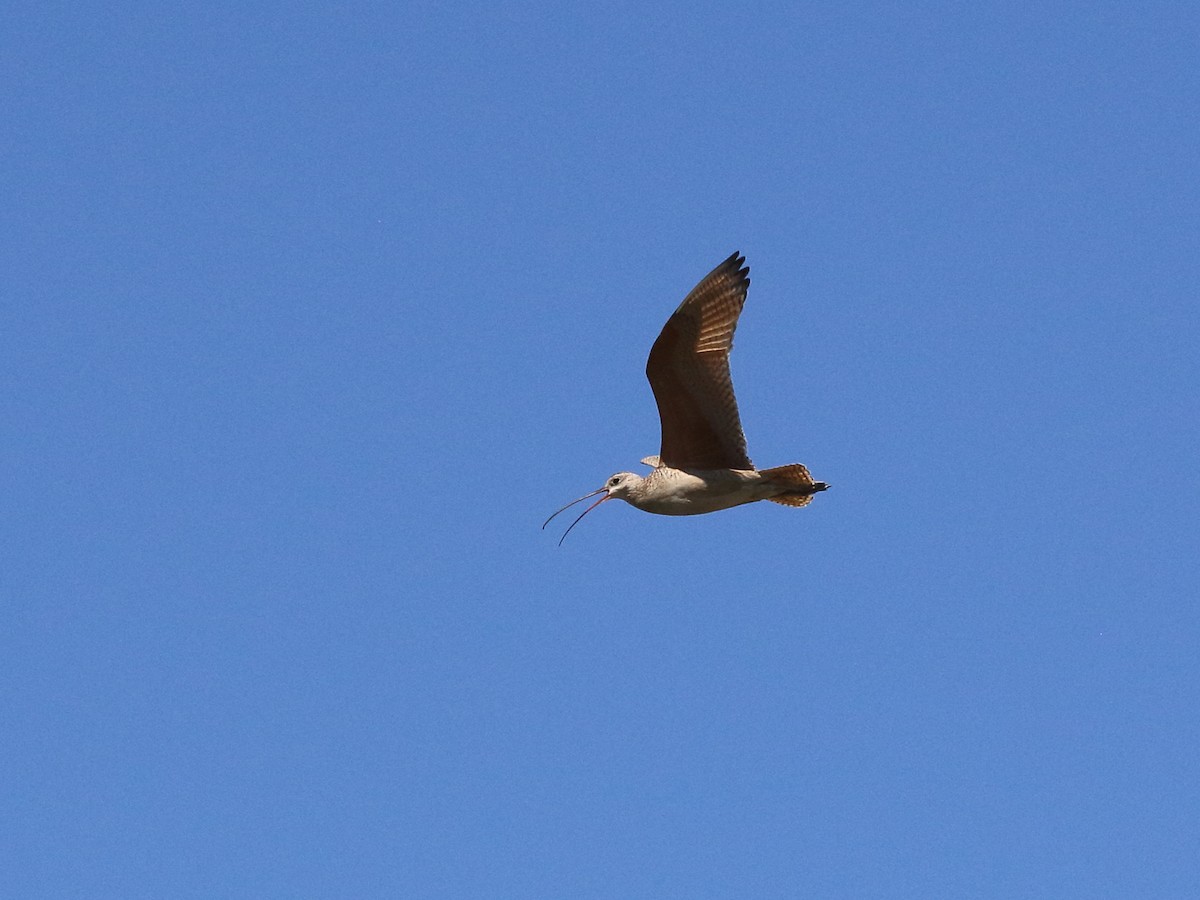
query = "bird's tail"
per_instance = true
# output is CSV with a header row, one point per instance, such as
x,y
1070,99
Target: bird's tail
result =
x,y
797,485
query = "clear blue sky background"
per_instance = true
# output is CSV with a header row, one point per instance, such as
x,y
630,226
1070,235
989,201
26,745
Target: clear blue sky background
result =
x,y
312,313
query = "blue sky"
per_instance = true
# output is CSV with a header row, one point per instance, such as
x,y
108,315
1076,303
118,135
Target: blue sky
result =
x,y
312,313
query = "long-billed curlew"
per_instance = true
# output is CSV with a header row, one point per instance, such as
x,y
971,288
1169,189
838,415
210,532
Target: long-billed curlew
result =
x,y
702,465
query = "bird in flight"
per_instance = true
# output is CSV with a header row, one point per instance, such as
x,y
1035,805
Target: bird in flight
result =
x,y
702,465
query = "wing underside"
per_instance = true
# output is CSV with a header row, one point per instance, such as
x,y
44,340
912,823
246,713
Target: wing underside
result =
x,y
688,371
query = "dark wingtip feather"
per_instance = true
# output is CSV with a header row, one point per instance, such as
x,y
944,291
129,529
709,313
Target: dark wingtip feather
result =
x,y
737,263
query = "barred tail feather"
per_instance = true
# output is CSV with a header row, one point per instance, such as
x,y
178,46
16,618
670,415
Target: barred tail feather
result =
x,y
798,486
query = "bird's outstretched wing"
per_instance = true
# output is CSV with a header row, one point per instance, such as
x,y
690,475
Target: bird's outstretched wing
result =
x,y
688,371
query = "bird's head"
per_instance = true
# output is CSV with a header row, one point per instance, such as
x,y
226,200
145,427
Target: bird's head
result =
x,y
621,485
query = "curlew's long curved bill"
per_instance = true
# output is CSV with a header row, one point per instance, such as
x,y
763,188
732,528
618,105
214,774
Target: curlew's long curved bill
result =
x,y
603,491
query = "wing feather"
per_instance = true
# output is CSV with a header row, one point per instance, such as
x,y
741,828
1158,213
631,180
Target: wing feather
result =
x,y
688,371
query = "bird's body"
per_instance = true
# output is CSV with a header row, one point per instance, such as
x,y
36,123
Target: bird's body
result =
x,y
703,465
676,492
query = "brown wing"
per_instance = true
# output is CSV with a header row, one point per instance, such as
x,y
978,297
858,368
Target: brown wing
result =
x,y
689,373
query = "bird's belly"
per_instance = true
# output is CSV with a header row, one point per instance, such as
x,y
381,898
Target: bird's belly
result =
x,y
679,493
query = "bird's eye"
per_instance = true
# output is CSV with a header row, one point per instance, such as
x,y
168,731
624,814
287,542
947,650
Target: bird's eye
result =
x,y
613,481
